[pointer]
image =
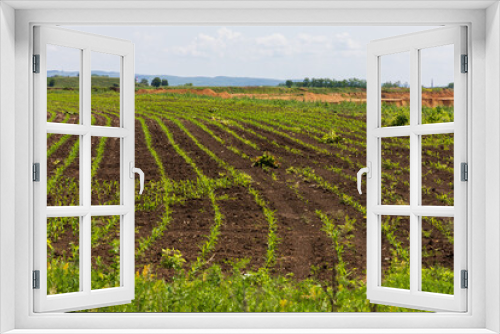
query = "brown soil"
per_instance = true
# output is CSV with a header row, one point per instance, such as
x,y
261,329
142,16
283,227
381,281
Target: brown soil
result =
x,y
429,99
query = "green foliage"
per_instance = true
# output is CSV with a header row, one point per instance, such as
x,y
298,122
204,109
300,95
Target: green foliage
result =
x,y
398,116
327,83
331,137
62,276
266,160
156,82
395,116
396,84
172,258
400,120
438,114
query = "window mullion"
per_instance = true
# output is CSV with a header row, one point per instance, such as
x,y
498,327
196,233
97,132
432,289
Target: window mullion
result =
x,y
85,165
415,188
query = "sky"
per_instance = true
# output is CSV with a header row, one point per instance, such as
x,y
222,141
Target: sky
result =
x,y
276,52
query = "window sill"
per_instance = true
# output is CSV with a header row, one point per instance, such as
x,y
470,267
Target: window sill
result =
x,y
250,331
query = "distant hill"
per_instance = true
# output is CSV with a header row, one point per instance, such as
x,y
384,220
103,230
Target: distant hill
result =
x,y
173,80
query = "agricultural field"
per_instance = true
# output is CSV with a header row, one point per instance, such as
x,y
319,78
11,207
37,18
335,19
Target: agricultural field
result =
x,y
249,205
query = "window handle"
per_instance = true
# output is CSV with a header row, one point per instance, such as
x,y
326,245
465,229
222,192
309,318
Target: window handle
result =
x,y
134,170
368,171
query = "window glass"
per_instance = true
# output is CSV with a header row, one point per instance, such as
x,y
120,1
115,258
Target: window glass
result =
x,y
395,89
437,255
437,79
105,252
395,166
63,255
63,84
63,170
395,252
106,96
438,169
105,171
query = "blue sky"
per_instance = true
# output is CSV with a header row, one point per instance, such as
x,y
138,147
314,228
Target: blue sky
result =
x,y
279,52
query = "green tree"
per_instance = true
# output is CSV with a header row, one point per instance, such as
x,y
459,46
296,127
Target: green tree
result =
x,y
289,83
145,82
51,82
164,82
156,82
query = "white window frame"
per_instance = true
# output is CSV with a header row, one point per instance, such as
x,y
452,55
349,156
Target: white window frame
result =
x,y
483,125
413,44
123,50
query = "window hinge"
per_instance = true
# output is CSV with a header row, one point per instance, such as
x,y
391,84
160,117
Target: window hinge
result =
x,y
465,279
465,64
464,171
36,279
36,172
36,63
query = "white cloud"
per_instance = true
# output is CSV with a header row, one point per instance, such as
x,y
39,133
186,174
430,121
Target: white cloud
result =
x,y
145,37
311,39
229,43
346,42
204,45
284,52
274,40
228,34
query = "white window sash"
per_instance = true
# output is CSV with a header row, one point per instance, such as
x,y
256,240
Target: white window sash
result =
x,y
414,297
86,298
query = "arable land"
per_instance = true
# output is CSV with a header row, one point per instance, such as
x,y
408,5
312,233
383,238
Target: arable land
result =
x,y
250,200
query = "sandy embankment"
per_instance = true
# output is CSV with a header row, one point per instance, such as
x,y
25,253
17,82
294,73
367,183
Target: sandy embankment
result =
x,y
429,99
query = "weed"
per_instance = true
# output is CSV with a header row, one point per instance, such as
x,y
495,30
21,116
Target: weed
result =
x,y
266,160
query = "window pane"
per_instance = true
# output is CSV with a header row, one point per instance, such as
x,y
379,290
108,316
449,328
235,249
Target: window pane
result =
x,y
395,167
63,84
105,252
437,169
63,170
105,171
437,255
396,252
395,94
437,79
106,71
63,260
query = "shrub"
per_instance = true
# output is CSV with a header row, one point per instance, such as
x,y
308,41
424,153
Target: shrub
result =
x,y
266,160
331,138
400,120
172,258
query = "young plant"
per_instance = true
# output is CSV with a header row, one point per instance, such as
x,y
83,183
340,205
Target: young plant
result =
x,y
331,137
172,258
266,160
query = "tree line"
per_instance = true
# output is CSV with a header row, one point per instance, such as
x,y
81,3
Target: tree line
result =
x,y
326,83
156,82
352,83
